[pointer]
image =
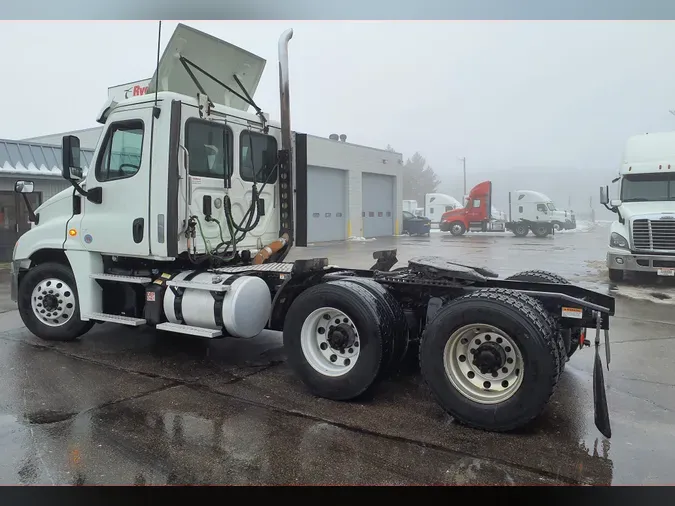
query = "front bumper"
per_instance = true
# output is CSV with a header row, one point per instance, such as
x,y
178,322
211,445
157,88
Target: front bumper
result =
x,y
14,286
628,261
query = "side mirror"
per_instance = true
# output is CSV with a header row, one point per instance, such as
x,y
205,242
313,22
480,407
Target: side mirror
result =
x,y
604,195
23,187
70,148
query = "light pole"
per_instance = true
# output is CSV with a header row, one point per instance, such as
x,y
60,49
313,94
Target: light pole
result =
x,y
463,159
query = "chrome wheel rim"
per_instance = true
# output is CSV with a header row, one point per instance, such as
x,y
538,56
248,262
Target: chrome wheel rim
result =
x,y
53,302
456,229
330,342
483,363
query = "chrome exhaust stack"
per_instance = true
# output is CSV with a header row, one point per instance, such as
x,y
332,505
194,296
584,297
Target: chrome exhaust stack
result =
x,y
285,99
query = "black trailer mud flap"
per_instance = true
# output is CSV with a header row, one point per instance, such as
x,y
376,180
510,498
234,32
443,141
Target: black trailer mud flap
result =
x,y
599,394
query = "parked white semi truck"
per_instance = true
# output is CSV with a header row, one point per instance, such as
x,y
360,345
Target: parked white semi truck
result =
x,y
642,239
183,223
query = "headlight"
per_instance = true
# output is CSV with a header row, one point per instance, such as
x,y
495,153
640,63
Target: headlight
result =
x,y
618,241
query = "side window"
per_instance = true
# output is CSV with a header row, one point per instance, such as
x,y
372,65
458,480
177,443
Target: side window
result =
x,y
476,203
210,148
431,210
121,156
520,209
258,155
541,208
448,208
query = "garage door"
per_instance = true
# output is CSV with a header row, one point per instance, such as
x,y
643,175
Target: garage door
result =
x,y
378,205
326,204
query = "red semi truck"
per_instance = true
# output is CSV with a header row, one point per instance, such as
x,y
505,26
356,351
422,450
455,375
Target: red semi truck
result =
x,y
528,210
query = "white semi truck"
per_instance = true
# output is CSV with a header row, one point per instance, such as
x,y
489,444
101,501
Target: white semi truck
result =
x,y
535,206
185,218
642,239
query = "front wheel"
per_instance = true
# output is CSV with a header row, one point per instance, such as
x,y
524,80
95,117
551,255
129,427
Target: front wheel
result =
x,y
48,303
490,358
457,228
520,230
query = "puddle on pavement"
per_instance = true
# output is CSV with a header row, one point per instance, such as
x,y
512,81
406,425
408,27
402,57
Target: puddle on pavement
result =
x,y
47,416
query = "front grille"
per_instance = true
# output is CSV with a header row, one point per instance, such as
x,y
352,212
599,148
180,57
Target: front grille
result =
x,y
654,235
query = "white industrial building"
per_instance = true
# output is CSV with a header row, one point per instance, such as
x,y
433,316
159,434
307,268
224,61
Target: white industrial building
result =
x,y
353,190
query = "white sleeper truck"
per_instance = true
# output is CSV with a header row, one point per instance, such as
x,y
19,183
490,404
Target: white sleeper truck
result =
x,y
534,206
186,215
642,239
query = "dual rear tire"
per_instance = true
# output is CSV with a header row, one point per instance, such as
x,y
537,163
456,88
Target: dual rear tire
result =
x,y
491,358
343,336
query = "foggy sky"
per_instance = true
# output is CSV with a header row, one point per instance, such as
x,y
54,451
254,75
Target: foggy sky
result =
x,y
542,97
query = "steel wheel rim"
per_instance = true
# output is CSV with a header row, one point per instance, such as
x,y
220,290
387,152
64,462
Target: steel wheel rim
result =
x,y
467,378
53,302
556,227
456,229
521,229
315,341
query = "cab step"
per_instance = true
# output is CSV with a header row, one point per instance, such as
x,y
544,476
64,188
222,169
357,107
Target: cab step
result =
x,y
194,285
121,279
188,329
114,318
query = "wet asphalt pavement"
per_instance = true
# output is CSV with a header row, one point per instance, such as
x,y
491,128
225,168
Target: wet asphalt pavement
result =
x,y
128,406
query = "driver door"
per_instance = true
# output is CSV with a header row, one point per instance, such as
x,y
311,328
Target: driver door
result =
x,y
121,168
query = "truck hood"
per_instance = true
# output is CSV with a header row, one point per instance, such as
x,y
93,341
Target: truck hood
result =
x,y
460,211
63,194
630,209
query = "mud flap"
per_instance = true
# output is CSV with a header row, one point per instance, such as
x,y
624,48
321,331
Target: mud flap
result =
x,y
599,394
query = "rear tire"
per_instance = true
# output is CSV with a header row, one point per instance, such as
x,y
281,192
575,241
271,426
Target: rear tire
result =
x,y
537,276
307,333
49,304
541,230
394,314
615,275
469,395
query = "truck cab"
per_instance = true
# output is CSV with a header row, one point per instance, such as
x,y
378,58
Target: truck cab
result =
x,y
183,177
435,204
535,206
475,216
642,238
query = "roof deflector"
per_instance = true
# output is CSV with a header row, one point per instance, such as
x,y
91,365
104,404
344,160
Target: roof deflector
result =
x,y
215,65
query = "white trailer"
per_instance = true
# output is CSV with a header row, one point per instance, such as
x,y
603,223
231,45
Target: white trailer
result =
x,y
410,206
185,218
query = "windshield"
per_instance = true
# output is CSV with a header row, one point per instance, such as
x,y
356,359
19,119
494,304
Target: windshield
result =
x,y
551,207
407,215
648,188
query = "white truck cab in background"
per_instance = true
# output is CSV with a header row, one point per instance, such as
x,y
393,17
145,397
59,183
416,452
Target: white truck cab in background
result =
x,y
435,204
642,239
535,206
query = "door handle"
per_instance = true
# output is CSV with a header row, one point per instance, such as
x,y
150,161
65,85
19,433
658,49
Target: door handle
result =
x,y
137,230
